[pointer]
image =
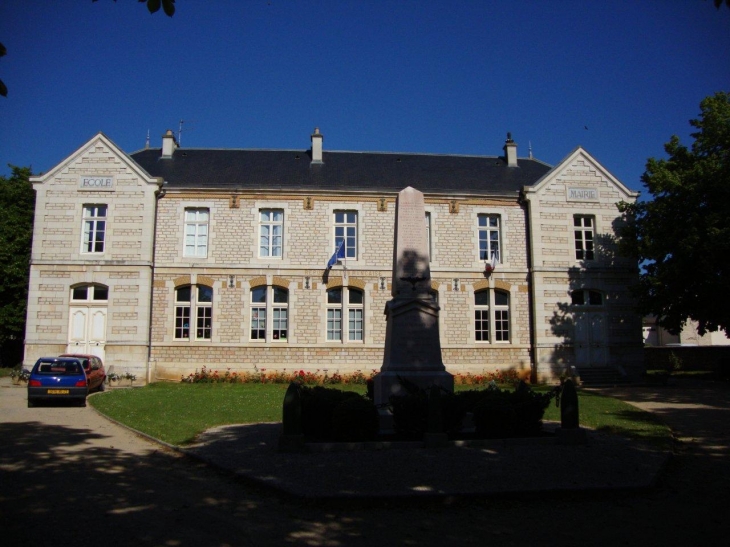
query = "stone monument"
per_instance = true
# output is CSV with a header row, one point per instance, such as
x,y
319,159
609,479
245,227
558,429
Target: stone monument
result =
x,y
412,343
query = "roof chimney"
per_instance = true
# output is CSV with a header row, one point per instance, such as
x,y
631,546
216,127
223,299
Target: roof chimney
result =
x,y
317,139
510,151
169,144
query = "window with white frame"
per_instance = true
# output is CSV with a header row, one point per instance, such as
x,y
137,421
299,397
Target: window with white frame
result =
x,y
193,302
94,236
345,302
586,297
196,232
428,235
346,233
271,233
90,293
489,237
491,315
269,306
584,226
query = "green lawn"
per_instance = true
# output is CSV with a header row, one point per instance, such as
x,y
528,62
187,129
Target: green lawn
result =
x,y
176,413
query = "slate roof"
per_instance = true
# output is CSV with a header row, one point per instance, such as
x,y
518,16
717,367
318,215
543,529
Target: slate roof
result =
x,y
292,170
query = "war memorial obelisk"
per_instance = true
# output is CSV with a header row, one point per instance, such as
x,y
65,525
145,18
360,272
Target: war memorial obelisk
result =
x,y
412,343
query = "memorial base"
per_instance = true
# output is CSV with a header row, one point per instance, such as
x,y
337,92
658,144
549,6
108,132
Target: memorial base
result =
x,y
386,384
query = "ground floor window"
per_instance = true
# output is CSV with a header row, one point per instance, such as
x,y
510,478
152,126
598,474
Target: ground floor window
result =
x,y
491,316
193,303
269,306
345,302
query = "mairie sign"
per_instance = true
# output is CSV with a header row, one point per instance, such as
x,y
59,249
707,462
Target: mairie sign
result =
x,y
96,182
582,194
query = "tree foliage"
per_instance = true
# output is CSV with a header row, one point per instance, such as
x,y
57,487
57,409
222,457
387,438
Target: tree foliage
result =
x,y
17,203
682,235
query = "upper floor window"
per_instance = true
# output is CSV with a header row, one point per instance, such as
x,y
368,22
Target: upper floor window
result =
x,y
269,306
90,293
491,316
196,232
193,302
346,231
94,228
489,237
586,297
584,231
345,302
271,232
428,235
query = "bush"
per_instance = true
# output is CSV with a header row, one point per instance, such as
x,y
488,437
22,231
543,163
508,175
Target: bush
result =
x,y
334,415
410,412
499,414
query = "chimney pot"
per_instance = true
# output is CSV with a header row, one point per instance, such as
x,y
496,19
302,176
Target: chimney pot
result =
x,y
169,144
317,139
510,151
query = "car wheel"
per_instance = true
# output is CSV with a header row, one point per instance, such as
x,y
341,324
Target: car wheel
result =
x,y
82,402
31,404
102,386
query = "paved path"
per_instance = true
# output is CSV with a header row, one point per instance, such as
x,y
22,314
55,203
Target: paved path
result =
x,y
69,477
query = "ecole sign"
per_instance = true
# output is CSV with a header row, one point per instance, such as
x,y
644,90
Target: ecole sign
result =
x,y
96,183
582,194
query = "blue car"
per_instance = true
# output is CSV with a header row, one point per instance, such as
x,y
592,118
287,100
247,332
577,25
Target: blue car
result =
x,y
57,379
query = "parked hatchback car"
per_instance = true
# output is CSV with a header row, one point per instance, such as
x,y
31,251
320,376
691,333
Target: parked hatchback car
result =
x,y
57,379
94,368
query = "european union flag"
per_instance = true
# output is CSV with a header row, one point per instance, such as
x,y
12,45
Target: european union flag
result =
x,y
338,254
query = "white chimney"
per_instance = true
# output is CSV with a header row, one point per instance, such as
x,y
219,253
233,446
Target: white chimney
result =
x,y
510,151
169,144
317,139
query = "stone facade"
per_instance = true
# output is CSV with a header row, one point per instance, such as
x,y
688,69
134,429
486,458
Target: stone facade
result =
x,y
144,270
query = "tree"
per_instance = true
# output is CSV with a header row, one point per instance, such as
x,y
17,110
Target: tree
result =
x,y
682,236
17,203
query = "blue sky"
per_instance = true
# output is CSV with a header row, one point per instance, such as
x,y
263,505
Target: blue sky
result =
x,y
448,77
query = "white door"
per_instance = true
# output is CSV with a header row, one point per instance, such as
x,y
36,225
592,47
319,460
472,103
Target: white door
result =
x,y
590,340
87,330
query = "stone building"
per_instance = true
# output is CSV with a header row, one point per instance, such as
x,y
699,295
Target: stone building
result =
x,y
170,259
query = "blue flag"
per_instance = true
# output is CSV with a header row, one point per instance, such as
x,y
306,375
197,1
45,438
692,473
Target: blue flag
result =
x,y
339,253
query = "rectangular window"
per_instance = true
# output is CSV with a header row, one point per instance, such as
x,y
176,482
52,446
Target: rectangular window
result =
x,y
204,325
346,230
258,313
196,232
481,325
501,325
489,244
94,228
583,227
182,313
428,235
271,233
334,324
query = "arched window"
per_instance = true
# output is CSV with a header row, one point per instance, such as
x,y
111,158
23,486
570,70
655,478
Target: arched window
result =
x,y
491,315
586,297
269,306
345,302
193,302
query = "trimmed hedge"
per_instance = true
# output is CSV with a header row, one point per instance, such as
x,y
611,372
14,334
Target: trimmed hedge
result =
x,y
333,415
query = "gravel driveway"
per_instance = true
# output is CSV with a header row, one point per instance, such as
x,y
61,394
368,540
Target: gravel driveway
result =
x,y
69,477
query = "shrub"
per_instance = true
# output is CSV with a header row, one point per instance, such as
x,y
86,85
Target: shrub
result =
x,y
410,411
334,415
355,419
499,413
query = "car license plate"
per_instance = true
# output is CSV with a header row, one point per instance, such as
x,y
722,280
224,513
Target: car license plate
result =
x,y
57,392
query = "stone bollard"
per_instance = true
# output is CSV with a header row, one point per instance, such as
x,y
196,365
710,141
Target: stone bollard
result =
x,y
435,435
292,435
570,431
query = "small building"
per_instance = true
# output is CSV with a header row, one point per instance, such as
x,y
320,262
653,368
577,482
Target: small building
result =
x,y
169,259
